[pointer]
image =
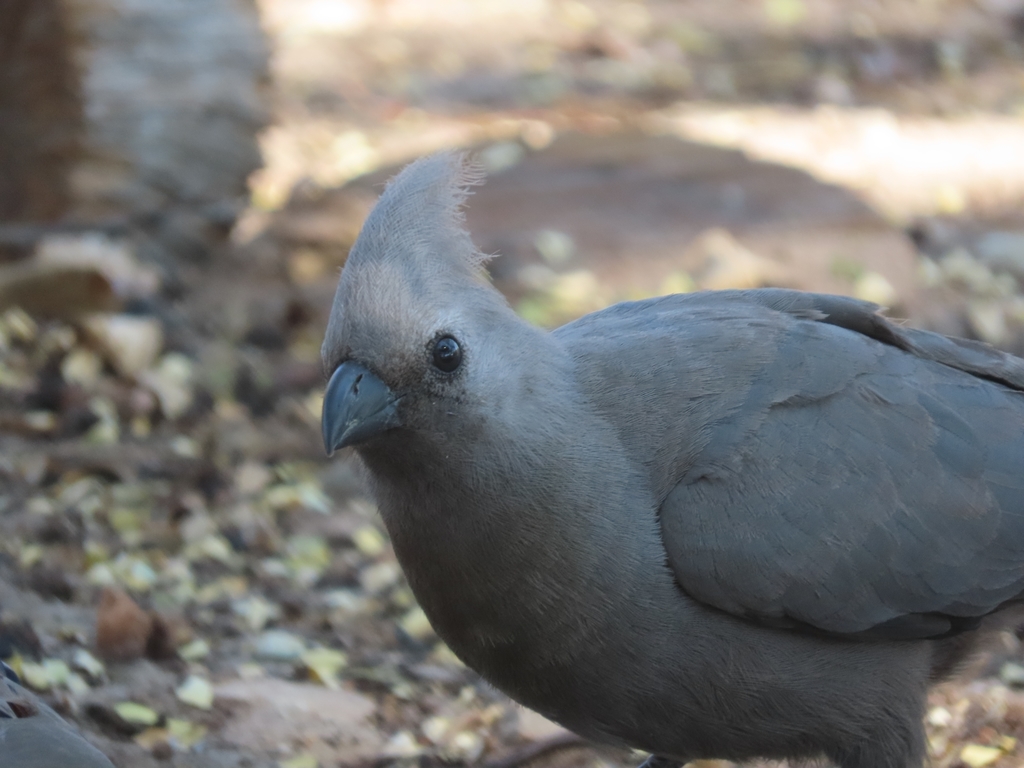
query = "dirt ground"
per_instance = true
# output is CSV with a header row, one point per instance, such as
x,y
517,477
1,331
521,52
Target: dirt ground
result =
x,y
182,572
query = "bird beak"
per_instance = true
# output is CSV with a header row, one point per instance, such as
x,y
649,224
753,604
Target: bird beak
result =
x,y
357,406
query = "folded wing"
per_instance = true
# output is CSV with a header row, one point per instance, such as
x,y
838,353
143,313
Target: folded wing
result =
x,y
816,466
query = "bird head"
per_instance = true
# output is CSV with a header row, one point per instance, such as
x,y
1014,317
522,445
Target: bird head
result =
x,y
416,332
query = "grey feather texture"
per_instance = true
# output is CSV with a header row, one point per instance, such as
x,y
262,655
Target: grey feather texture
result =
x,y
421,213
32,735
719,525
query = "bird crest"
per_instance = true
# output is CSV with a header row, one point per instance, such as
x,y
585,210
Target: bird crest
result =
x,y
420,217
411,258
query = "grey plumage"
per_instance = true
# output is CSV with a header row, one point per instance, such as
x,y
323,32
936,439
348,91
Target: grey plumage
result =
x,y
734,524
34,736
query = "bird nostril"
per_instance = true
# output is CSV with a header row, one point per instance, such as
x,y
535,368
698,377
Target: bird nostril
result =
x,y
355,384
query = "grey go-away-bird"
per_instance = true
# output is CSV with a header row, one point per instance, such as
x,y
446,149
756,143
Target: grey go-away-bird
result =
x,y
34,736
729,524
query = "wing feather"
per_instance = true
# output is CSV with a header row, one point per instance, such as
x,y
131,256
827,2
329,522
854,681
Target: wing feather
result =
x,y
822,468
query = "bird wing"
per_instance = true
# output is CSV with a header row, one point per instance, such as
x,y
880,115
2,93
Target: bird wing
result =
x,y
814,465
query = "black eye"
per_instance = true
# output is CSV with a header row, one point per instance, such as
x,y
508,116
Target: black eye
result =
x,y
447,354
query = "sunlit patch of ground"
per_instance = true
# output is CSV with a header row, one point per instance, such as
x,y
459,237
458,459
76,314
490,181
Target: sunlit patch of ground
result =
x,y
905,166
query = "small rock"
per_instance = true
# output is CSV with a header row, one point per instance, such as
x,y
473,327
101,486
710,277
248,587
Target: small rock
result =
x,y
131,344
1012,674
278,645
402,745
122,627
171,382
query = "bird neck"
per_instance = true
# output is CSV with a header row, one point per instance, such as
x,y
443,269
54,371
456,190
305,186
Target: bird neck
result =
x,y
511,538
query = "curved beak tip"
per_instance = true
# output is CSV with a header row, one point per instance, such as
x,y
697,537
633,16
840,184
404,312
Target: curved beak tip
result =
x,y
357,407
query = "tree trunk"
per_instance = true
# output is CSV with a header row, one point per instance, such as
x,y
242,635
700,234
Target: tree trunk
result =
x,y
115,109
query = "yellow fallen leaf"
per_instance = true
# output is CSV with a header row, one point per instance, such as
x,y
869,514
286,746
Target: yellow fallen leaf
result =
x,y
86,662
76,684
151,738
138,714
416,624
195,650
57,670
195,691
978,756
185,734
368,540
35,676
324,664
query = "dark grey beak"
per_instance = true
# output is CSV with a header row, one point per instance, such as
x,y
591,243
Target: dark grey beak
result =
x,y
357,406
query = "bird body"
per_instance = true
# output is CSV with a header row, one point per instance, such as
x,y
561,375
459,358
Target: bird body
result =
x,y
32,735
734,524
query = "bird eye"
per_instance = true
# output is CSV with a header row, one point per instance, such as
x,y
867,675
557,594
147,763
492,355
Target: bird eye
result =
x,y
447,354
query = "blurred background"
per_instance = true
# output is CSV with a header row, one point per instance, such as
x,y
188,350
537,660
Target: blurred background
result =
x,y
182,573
